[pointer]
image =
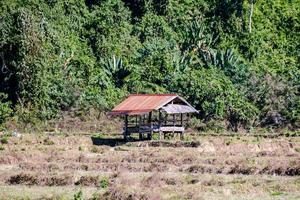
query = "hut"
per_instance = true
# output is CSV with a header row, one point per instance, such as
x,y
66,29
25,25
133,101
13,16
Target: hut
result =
x,y
148,113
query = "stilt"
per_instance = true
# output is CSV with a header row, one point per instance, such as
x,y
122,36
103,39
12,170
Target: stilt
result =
x,y
181,119
149,135
159,125
181,135
126,128
174,123
161,135
140,131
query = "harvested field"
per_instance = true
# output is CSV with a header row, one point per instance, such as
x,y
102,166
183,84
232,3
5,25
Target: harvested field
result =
x,y
209,167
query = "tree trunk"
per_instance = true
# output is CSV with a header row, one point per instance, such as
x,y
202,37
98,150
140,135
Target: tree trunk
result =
x,y
250,17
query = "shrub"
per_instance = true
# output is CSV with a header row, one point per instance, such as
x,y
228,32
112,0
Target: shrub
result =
x,y
104,183
78,195
196,123
5,110
4,140
216,126
2,148
215,96
47,141
155,136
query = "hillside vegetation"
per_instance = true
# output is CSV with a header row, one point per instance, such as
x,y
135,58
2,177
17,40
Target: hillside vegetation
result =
x,y
236,61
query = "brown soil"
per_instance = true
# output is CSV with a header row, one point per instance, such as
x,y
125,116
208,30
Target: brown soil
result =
x,y
43,160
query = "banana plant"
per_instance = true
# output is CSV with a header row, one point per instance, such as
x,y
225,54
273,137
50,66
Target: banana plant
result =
x,y
115,70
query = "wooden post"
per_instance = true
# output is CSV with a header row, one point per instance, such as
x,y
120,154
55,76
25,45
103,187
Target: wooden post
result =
x,y
136,120
160,135
140,131
181,119
174,123
166,119
149,135
181,135
126,127
159,124
174,120
181,124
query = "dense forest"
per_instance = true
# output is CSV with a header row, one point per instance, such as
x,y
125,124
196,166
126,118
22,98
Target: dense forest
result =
x,y
237,61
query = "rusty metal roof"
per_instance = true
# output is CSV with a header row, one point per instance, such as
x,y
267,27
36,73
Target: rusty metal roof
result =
x,y
137,104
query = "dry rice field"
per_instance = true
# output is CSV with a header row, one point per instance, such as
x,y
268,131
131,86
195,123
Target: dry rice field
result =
x,y
63,166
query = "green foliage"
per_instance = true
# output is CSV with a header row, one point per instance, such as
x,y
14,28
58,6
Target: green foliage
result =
x,y
236,61
5,108
104,183
215,96
78,195
4,140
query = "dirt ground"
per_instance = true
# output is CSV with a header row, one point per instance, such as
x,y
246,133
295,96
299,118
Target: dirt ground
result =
x,y
207,167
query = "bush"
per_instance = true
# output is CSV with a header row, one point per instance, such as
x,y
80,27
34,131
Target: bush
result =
x,y
104,183
47,141
4,140
5,110
78,195
216,126
196,123
211,92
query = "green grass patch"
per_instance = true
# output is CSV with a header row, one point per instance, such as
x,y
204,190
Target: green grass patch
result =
x,y
104,183
98,136
276,193
4,140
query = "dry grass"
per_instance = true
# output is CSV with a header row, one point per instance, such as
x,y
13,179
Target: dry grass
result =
x,y
56,167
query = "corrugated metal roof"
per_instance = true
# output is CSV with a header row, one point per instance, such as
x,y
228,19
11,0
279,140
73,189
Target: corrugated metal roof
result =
x,y
177,108
137,104
142,103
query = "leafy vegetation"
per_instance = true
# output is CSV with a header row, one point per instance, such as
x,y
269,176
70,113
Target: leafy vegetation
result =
x,y
78,195
104,183
236,61
4,140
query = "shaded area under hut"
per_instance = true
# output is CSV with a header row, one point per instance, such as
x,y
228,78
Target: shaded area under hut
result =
x,y
148,113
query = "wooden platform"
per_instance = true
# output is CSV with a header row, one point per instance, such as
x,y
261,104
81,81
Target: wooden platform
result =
x,y
161,130
171,129
145,129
